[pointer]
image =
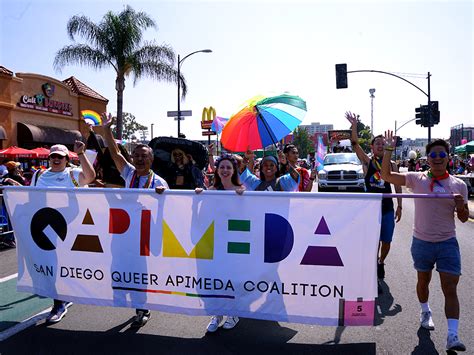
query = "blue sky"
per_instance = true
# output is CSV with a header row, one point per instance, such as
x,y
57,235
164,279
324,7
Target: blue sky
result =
x,y
269,47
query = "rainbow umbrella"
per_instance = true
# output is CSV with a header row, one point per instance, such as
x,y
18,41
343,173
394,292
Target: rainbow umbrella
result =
x,y
262,122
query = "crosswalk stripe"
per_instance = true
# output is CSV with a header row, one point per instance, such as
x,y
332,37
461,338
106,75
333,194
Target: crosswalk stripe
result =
x,y
8,278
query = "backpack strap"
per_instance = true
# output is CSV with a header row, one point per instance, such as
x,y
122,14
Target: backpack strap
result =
x,y
37,175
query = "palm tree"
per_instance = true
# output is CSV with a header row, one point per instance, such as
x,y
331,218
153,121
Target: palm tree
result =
x,y
117,41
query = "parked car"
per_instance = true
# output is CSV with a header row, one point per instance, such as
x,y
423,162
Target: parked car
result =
x,y
341,172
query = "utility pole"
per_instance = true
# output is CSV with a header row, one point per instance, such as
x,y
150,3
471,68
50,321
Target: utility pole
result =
x,y
372,96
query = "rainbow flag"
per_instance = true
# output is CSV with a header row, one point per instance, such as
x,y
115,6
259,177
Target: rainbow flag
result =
x,y
218,124
321,152
92,118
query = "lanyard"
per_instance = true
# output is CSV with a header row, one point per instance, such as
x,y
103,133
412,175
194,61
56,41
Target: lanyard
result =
x,y
136,179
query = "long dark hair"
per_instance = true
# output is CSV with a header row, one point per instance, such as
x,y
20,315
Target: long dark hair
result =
x,y
235,179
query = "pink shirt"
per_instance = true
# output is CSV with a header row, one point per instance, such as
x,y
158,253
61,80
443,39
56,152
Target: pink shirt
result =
x,y
434,218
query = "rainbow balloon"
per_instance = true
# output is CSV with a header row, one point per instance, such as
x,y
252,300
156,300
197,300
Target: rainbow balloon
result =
x,y
92,118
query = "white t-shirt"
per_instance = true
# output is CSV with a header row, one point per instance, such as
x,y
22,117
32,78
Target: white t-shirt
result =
x,y
127,175
56,179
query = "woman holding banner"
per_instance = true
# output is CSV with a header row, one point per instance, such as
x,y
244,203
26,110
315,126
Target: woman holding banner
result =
x,y
61,175
226,177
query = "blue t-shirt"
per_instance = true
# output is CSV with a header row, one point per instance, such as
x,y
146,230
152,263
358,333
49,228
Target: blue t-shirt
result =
x,y
283,183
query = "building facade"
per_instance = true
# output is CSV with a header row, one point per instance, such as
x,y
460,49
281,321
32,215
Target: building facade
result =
x,y
459,134
316,127
38,111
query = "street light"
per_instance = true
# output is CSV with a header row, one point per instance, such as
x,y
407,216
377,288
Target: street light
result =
x,y
371,91
179,83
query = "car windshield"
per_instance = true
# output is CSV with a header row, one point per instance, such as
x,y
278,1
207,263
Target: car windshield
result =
x,y
343,158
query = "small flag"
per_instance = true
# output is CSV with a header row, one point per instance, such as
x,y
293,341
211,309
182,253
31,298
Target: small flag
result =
x,y
218,124
321,152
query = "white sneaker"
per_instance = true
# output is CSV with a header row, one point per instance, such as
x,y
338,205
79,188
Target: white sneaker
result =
x,y
230,322
214,323
426,320
454,343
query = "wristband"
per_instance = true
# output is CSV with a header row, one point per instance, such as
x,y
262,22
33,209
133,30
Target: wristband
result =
x,y
312,179
390,149
79,154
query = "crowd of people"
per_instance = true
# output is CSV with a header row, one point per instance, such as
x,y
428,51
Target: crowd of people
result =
x,y
434,240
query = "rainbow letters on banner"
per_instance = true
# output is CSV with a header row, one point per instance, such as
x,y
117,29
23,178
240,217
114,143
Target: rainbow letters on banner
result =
x,y
277,256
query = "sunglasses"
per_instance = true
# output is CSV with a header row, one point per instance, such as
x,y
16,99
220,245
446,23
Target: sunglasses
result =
x,y
56,156
442,155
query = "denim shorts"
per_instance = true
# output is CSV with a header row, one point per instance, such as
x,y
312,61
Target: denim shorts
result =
x,y
387,226
445,255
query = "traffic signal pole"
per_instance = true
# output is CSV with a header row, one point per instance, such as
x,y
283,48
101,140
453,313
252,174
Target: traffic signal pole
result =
x,y
342,83
430,114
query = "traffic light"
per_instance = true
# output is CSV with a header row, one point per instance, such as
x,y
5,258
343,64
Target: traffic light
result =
x,y
422,115
434,112
399,142
341,76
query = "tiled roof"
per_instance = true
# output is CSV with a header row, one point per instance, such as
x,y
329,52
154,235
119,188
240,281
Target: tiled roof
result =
x,y
5,71
80,88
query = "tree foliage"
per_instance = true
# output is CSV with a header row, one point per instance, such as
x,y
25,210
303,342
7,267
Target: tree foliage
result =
x,y
302,141
116,41
365,136
130,127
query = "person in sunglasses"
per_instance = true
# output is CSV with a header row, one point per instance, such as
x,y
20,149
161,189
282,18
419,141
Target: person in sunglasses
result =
x,y
434,233
374,183
60,174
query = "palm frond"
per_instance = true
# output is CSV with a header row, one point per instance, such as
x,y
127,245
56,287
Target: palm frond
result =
x,y
81,54
153,52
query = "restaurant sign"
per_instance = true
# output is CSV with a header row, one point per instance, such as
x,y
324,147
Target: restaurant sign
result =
x,y
43,102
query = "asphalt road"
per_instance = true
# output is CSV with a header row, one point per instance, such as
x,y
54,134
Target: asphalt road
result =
x,y
89,329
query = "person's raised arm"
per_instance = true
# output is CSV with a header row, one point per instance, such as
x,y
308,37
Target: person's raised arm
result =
x,y
363,157
117,157
87,174
387,173
210,158
248,161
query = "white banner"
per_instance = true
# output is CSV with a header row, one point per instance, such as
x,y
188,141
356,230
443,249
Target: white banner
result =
x,y
295,257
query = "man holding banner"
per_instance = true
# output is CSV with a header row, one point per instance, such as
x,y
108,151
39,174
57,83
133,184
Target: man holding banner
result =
x,y
138,175
434,233
374,183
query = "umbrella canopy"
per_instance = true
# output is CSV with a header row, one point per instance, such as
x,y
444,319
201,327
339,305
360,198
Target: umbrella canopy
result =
x,y
15,153
262,122
465,148
162,147
43,153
